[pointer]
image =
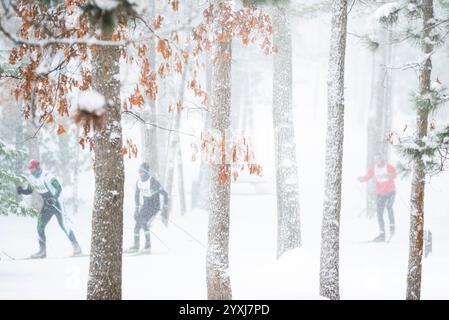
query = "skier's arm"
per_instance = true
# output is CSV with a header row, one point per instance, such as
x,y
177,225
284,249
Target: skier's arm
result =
x,y
392,172
55,183
137,196
162,191
368,176
165,195
26,191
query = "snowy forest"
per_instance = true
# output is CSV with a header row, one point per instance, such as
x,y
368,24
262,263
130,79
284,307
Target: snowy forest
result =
x,y
224,149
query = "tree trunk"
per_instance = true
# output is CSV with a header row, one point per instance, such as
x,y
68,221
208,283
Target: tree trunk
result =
x,y
170,171
171,160
330,232
150,149
379,107
181,189
32,142
105,271
173,156
76,171
149,134
18,141
217,259
34,152
64,174
389,81
200,199
289,228
419,175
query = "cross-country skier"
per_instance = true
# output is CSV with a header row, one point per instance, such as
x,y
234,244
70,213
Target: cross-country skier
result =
x,y
384,175
48,187
147,205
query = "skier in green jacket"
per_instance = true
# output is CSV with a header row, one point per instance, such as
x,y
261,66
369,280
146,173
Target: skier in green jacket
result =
x,y
48,187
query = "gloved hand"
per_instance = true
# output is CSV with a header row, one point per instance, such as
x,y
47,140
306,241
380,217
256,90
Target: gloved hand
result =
x,y
20,190
50,202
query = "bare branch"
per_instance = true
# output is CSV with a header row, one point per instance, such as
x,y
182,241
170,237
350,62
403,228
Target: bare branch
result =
x,y
138,117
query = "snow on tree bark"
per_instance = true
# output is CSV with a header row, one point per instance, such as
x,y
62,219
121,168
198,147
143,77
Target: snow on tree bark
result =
x,y
330,232
217,256
289,231
105,271
418,176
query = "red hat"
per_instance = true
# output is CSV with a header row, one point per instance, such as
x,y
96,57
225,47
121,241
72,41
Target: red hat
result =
x,y
33,164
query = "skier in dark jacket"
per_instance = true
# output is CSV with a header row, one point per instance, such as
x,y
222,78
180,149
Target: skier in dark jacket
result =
x,y
49,189
147,205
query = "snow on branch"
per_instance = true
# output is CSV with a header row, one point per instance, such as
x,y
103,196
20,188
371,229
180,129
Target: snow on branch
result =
x,y
431,151
388,13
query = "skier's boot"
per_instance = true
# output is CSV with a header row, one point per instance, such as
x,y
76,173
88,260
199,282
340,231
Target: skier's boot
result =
x,y
147,248
380,237
76,249
135,247
132,249
41,254
392,231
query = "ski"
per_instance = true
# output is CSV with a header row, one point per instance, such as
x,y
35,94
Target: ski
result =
x,y
135,254
49,258
386,241
125,254
372,241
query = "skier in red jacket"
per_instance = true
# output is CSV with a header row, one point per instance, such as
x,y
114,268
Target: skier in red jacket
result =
x,y
384,174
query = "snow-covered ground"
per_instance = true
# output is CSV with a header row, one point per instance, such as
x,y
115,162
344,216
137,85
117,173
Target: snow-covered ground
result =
x,y
176,269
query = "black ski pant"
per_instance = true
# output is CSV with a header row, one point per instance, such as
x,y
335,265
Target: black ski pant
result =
x,y
47,212
142,223
383,201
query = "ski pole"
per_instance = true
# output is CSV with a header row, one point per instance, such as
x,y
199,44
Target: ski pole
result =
x,y
187,233
154,234
12,258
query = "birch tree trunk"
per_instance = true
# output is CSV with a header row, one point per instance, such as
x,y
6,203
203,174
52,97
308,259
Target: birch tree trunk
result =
x,y
105,270
330,232
217,256
419,175
289,228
